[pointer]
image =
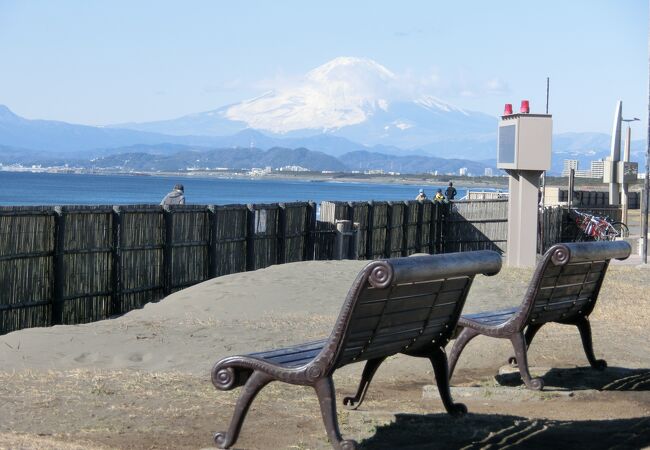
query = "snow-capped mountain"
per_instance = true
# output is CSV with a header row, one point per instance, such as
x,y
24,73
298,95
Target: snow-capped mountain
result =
x,y
355,98
343,92
346,105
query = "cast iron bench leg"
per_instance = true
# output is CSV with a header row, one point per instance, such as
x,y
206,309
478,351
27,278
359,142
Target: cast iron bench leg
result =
x,y
585,333
466,335
327,399
441,370
519,343
366,377
531,331
253,385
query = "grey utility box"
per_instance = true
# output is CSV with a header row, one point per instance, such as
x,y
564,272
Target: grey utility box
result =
x,y
524,142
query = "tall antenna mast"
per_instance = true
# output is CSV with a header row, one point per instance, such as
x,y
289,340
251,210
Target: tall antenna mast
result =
x,y
547,88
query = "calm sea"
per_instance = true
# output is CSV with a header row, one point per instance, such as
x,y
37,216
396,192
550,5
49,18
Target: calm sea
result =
x,y
26,188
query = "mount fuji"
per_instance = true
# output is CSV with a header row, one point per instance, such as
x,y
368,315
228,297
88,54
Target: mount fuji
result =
x,y
352,108
353,98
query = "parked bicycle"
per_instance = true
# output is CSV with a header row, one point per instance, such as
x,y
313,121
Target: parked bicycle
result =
x,y
598,228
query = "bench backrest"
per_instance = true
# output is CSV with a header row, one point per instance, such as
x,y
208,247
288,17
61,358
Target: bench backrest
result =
x,y
567,281
406,304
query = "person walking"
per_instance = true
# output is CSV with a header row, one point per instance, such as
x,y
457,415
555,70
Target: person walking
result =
x,y
421,195
451,191
175,197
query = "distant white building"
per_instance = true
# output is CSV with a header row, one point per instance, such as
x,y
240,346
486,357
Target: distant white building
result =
x,y
598,169
487,172
293,169
462,171
568,165
256,171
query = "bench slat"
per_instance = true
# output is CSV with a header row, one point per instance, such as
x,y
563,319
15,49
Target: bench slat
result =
x,y
488,314
307,346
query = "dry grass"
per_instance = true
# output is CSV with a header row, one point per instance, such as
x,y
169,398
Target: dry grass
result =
x,y
625,297
102,409
16,441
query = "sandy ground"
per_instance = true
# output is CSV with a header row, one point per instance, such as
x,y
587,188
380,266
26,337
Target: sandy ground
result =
x,y
141,381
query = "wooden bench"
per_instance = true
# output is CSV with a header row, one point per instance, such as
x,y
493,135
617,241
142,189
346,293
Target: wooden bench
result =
x,y
401,305
564,289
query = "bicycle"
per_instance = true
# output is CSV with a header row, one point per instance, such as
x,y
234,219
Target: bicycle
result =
x,y
598,228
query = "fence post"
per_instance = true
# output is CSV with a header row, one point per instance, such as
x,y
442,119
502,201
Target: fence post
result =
x,y
418,229
389,230
116,297
212,241
250,238
281,234
58,269
405,229
444,213
310,230
167,250
432,229
439,226
370,229
343,241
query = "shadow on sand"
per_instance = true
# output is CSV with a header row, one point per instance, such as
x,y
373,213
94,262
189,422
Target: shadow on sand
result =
x,y
492,431
583,378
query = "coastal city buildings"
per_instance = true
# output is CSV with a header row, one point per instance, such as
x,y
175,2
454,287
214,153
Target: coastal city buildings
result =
x,y
596,169
568,165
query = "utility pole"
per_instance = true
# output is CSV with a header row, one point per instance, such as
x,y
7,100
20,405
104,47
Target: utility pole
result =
x,y
615,155
646,184
626,159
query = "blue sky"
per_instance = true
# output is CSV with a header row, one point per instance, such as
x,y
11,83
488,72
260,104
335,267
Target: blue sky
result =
x,y
117,61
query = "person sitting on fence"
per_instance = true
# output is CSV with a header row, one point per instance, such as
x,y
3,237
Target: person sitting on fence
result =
x,y
451,191
421,195
439,197
175,197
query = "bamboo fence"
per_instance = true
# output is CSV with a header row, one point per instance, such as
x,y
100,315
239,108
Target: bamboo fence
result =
x,y
75,264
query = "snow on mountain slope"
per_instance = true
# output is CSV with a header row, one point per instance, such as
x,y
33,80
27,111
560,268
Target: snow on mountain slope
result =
x,y
342,92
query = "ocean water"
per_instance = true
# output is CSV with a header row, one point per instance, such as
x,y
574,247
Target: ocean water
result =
x,y
26,188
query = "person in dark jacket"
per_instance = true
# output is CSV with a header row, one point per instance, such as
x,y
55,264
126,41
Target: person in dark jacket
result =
x,y
451,191
175,197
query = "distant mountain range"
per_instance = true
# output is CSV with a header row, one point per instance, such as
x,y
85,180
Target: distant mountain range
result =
x,y
178,158
350,112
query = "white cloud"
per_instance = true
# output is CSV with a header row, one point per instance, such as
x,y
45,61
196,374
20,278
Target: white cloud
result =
x,y
496,86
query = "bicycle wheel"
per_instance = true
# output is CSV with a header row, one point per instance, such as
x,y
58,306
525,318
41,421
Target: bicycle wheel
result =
x,y
621,229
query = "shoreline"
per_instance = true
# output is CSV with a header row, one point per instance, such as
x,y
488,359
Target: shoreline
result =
x,y
494,182
315,177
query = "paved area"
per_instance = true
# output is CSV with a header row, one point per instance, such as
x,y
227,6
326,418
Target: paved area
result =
x,y
634,260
